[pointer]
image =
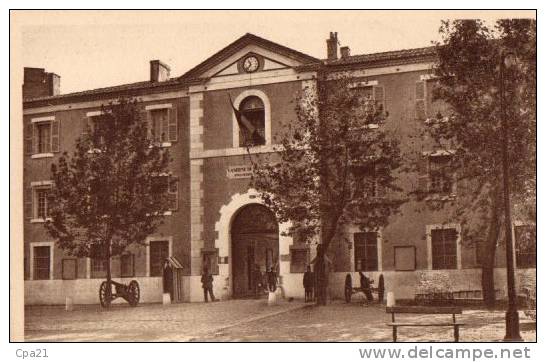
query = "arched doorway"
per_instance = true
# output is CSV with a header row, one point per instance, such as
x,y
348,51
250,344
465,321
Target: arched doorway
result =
x,y
254,243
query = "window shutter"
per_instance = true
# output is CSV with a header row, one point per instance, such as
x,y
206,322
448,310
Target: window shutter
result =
x,y
420,102
85,126
55,135
379,97
29,148
147,117
173,125
423,179
28,210
173,193
165,126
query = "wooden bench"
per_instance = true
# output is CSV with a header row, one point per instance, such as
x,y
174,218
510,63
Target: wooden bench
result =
x,y
425,310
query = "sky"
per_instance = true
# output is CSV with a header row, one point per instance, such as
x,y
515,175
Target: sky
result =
x,y
95,49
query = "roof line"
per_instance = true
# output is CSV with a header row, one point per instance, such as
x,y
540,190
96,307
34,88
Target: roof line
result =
x,y
239,43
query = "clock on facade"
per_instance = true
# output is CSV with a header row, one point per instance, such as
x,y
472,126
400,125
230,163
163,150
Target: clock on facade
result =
x,y
251,64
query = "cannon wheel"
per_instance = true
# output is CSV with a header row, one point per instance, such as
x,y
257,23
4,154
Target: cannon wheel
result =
x,y
381,287
105,294
348,288
133,291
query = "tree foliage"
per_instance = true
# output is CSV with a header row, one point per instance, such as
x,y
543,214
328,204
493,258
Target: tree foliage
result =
x,y
335,165
110,193
468,81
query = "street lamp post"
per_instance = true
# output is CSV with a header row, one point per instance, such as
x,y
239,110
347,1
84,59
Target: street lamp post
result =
x,y
512,317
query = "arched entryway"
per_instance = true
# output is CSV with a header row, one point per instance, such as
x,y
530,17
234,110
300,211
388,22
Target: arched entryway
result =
x,y
254,243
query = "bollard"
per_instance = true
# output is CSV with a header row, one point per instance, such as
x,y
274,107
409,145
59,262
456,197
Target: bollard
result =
x,y
69,304
166,298
390,299
272,299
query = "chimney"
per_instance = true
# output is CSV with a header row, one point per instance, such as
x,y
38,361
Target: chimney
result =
x,y
38,83
345,52
331,46
159,71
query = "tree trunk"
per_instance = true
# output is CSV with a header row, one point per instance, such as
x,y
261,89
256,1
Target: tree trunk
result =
x,y
488,259
322,267
321,274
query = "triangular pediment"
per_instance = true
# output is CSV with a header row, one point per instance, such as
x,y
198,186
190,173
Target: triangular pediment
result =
x,y
265,64
248,54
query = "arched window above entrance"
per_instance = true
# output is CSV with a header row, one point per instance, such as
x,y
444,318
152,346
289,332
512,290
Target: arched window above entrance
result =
x,y
252,108
254,218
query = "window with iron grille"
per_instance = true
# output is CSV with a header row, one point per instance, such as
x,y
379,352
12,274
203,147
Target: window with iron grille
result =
x,y
98,267
365,246
42,262
526,246
441,177
444,248
159,251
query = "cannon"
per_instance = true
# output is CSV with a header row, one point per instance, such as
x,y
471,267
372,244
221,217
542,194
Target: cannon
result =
x,y
367,289
130,292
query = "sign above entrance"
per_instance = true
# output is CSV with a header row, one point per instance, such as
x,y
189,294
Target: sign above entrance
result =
x,y
242,171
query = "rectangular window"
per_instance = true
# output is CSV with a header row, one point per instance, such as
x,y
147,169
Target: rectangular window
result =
x,y
127,265
366,258
441,177
43,135
526,246
98,268
70,268
97,124
42,262
170,185
370,179
373,99
38,200
159,251
42,198
444,248
159,123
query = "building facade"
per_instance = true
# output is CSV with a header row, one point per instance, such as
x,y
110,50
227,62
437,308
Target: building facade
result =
x,y
216,219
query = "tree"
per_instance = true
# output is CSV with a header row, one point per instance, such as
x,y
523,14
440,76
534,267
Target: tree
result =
x,y
112,191
335,167
468,81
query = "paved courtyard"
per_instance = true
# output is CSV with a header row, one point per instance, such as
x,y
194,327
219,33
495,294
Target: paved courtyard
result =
x,y
251,320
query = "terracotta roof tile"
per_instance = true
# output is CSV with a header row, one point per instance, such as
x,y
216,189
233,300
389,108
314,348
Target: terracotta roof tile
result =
x,y
112,89
384,56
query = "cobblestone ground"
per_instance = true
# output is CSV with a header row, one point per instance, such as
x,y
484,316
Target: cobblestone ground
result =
x,y
353,322
147,322
252,320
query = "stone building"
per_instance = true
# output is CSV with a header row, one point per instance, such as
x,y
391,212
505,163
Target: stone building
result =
x,y
217,219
